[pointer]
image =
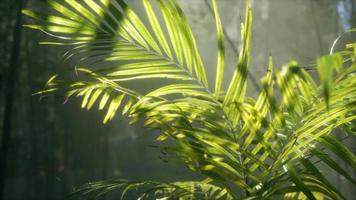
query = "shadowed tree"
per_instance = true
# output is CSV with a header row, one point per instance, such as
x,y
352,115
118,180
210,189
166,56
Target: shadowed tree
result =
x,y
12,75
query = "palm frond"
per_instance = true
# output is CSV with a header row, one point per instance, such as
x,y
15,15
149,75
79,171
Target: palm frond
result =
x,y
249,148
221,51
153,190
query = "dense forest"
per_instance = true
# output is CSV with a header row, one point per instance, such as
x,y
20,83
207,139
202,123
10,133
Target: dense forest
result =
x,y
50,146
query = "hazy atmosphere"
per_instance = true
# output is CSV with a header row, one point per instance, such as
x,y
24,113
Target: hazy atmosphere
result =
x,y
50,145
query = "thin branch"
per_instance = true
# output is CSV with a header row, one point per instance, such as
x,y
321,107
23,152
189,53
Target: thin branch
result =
x,y
317,28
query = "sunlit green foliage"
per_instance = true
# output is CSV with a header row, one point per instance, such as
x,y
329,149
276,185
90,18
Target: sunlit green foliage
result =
x,y
246,148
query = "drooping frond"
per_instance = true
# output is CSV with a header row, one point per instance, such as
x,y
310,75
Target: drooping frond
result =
x,y
110,32
153,190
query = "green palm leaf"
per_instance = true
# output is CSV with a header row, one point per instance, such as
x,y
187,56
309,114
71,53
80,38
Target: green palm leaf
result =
x,y
246,148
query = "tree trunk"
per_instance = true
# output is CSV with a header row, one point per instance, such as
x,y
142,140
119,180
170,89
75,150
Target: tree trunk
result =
x,y
9,97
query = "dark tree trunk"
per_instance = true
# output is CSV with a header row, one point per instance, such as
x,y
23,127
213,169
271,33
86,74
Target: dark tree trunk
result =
x,y
9,96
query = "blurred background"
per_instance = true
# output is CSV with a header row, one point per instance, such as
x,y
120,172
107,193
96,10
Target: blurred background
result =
x,y
48,147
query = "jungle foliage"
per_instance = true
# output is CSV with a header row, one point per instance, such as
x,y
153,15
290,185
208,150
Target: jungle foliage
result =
x,y
246,148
